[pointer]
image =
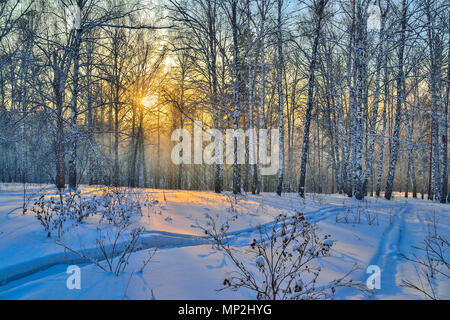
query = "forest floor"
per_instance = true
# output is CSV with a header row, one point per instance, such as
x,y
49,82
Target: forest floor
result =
x,y
187,266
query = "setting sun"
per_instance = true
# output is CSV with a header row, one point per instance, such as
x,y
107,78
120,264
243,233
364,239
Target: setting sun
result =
x,y
224,150
149,101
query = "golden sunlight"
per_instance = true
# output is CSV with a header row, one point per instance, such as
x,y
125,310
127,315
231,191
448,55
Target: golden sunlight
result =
x,y
149,101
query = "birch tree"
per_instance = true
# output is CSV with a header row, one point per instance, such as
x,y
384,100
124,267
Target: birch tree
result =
x,y
318,7
400,97
280,95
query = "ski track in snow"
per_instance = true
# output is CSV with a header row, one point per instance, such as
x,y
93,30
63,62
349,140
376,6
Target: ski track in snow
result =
x,y
150,240
158,240
386,256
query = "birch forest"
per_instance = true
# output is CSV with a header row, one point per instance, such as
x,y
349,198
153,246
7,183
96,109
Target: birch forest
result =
x,y
91,92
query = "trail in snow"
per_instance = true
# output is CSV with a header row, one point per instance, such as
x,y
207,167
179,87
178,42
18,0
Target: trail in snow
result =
x,y
149,240
158,241
390,241
387,254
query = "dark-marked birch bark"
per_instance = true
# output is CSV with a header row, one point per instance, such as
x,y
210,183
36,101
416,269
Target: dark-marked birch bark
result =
x,y
379,65
319,12
400,97
349,155
361,98
445,194
280,96
211,20
75,50
263,7
384,126
435,56
233,15
251,151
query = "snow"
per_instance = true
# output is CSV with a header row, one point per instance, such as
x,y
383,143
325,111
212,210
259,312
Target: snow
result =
x,y
260,261
187,266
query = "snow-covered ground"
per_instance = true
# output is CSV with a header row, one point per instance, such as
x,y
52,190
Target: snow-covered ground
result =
x,y
187,266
